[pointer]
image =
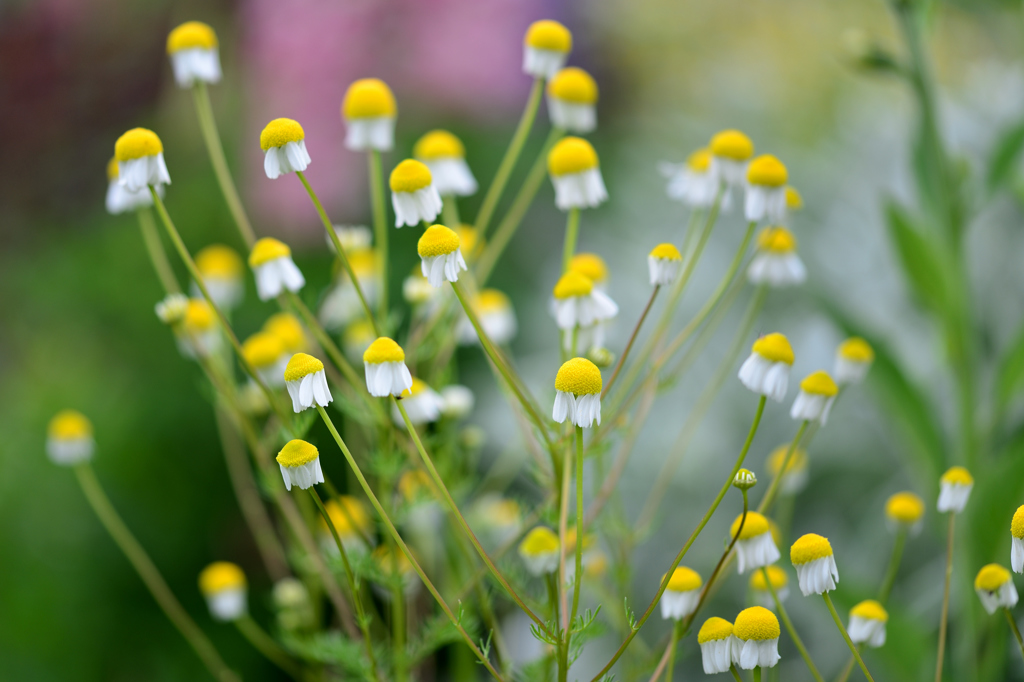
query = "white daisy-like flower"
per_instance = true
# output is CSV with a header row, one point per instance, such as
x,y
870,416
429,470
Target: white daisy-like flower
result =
x,y
682,594
351,519
441,256
386,372
766,189
352,237
576,174
418,291
691,183
663,264
794,479
1017,541
198,335
171,309
306,381
755,547
814,401
995,588
422,403
445,156
578,393
195,58
757,638
266,354
69,438
955,489
776,263
120,199
572,101
578,303
287,328
716,645
759,591
224,586
140,161
274,270
591,266
499,517
815,564
546,46
731,151
456,401
853,360
413,194
341,305
905,511
300,464
221,269
498,319
867,623
369,110
284,148
766,371
539,551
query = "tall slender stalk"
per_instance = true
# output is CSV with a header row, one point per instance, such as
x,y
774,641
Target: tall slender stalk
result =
x,y
789,627
894,565
578,577
846,636
157,254
1015,629
632,339
773,488
572,231
944,618
380,228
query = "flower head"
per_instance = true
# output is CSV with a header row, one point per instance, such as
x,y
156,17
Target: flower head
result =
x,y
197,334
744,479
663,264
1017,541
422,403
954,489
369,110
224,586
413,194
776,262
795,477
352,237
691,183
766,189
757,637
730,152
351,519
69,438
140,160
591,266
794,202
287,328
766,371
815,564
442,257
539,551
578,393
779,583
853,360
171,309
272,265
342,305
119,198
300,464
265,353
682,594
755,546
283,142
546,46
905,510
445,156
456,401
357,338
995,588
306,382
578,303
498,319
221,269
192,48
813,402
867,623
386,372
576,174
572,100
716,645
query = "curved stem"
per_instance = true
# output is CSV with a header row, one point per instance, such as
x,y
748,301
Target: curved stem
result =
x,y
380,228
266,645
846,636
894,566
572,231
1016,630
706,589
789,627
578,577
632,339
944,619
157,254
773,489
735,673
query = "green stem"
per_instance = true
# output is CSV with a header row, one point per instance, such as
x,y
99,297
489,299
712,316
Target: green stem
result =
x,y
578,577
508,162
789,627
572,231
735,673
380,228
773,489
846,636
1016,630
894,566
266,645
757,674
150,575
208,127
157,254
673,645
944,618
401,543
398,627
450,211
632,339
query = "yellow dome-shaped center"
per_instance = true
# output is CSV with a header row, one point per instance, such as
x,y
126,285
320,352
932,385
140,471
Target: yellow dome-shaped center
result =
x,y
286,327
797,461
794,202
113,170
571,155
1017,524
756,623
409,176
774,348
766,170
383,350
808,548
574,85
189,35
368,98
267,249
776,240
297,452
856,349
280,132
136,144
199,315
714,629
819,383
217,260
755,525
590,265
348,515
301,365
572,284
262,349
548,35
437,240
957,476
438,144
991,577
776,575
578,376
699,161
666,252
733,145
219,576
492,301
904,507
418,386
684,580
540,540
69,425
871,609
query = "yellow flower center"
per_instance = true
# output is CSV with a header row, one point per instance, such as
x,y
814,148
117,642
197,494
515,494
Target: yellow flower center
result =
x,y
368,98
348,515
189,35
856,349
267,249
991,577
199,315
414,483
1017,524
286,327
363,262
504,512
280,132
776,575
871,609
392,560
217,260
774,348
797,461
383,350
572,284
220,575
590,265
69,425
819,383
438,144
732,144
468,237
540,540
437,240
574,85
410,176
904,507
714,629
957,476
794,202
548,35
776,240
297,452
684,580
578,376
768,171
756,623
809,548
136,144
492,301
666,252
113,170
262,349
571,155
300,365
755,525
699,161
359,332
418,386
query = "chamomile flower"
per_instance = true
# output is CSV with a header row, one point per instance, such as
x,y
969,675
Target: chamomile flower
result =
x,y
578,393
171,309
369,110
591,266
417,290
691,183
954,489
351,519
306,382
266,354
905,511
853,360
1017,541
471,241
813,402
539,551
422,403
274,270
572,101
441,256
456,401
300,464
663,264
815,564
140,161
221,269
757,638
494,310
716,645
69,438
766,371
776,263
546,46
731,151
794,202
682,594
341,305
794,479
867,623
386,372
198,335
352,238
766,189
357,338
576,174
287,328
294,607
224,586
578,303
284,148
413,194
119,198
995,588
500,518
445,156
755,547
759,588
192,48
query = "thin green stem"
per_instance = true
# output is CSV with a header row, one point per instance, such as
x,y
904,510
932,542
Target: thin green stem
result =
x,y
846,636
450,211
508,162
150,575
208,127
894,566
944,618
757,674
789,627
270,649
735,673
401,543
578,577
632,339
572,231
673,644
380,228
773,488
157,254
706,589
1016,630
